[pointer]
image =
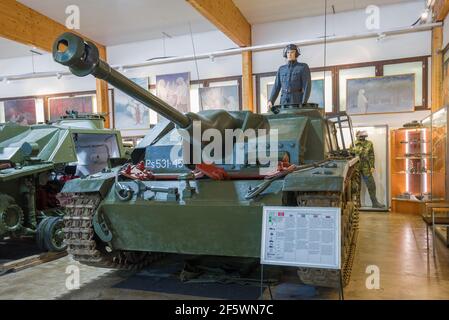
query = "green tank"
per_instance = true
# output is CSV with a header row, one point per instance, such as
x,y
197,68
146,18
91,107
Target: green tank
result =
x,y
161,203
37,160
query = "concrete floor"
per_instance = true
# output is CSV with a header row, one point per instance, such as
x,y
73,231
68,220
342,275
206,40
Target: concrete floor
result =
x,y
395,243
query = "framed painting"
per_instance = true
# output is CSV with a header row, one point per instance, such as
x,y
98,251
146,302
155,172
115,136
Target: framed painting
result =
x,y
388,94
175,90
58,106
222,97
21,111
130,114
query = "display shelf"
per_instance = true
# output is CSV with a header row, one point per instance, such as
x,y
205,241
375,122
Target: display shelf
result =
x,y
403,172
415,200
415,158
410,167
414,142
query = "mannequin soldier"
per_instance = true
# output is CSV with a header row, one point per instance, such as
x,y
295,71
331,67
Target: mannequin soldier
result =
x,y
364,150
293,80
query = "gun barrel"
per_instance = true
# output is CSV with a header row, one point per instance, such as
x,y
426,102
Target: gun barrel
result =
x,y
82,57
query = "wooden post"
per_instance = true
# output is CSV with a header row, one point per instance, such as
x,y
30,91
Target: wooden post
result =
x,y
437,68
247,81
103,93
226,16
441,9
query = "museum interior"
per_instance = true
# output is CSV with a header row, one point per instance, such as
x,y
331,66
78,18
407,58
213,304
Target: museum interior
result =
x,y
224,149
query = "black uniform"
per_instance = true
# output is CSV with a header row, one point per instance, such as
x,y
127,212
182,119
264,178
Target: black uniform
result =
x,y
294,82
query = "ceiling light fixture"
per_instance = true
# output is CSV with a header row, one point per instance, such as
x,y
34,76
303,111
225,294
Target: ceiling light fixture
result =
x,y
381,37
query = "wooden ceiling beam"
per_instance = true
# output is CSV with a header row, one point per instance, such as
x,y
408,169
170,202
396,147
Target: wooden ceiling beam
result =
x,y
24,25
441,9
225,15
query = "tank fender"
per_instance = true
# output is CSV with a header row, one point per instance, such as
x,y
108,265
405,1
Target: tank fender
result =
x,y
101,182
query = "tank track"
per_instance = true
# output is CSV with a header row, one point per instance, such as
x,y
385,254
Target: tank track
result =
x,y
349,228
82,242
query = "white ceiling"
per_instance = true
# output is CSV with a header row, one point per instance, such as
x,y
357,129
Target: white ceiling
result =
x,y
260,11
12,49
111,22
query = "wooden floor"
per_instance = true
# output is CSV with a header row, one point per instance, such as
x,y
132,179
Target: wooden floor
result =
x,y
394,243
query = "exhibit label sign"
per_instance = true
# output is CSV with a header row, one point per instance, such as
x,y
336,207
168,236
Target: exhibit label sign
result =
x,y
301,237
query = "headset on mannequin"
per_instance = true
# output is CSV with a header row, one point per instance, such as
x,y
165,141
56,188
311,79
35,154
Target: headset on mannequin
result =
x,y
291,47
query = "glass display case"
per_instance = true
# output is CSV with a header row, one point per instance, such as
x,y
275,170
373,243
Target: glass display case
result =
x,y
439,150
411,167
440,177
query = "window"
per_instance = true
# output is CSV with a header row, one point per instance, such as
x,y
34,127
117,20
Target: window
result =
x,y
265,85
322,92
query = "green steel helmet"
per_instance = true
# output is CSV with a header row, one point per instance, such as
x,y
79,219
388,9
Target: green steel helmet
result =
x,y
361,133
291,47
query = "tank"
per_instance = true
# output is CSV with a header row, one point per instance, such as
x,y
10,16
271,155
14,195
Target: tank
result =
x,y
162,202
35,163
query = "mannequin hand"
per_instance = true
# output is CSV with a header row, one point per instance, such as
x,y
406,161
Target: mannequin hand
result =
x,y
372,170
269,105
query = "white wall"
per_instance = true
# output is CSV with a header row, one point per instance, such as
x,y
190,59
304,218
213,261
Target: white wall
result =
x,y
344,24
179,46
32,87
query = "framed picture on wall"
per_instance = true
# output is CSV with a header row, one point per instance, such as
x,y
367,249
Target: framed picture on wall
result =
x,y
175,90
386,94
130,114
21,111
58,106
222,97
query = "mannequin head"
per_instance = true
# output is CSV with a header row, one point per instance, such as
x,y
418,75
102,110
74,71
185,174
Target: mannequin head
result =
x,y
291,52
361,135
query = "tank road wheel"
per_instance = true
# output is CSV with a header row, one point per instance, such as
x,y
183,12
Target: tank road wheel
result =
x,y
40,234
52,234
11,219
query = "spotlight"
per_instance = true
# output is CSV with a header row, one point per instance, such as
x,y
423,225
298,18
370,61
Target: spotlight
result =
x,y
58,76
212,58
425,15
381,37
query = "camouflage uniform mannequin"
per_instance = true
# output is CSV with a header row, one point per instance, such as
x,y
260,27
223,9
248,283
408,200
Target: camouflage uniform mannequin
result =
x,y
293,80
365,151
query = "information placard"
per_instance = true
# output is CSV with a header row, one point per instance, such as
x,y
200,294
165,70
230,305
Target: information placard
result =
x,y
301,237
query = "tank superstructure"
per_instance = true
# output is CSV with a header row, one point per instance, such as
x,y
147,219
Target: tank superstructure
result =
x,y
36,161
159,203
